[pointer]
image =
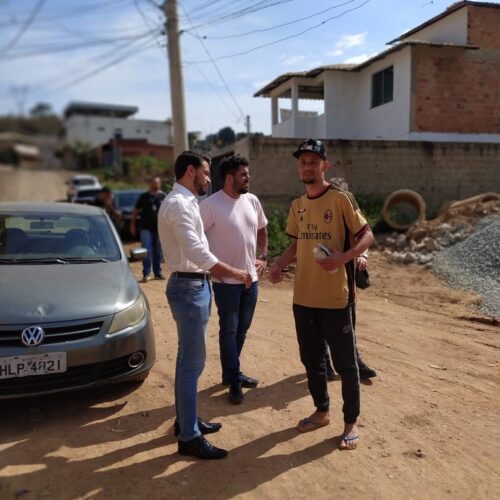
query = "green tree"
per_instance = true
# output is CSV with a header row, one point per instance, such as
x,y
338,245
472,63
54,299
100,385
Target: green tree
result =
x,y
41,109
226,136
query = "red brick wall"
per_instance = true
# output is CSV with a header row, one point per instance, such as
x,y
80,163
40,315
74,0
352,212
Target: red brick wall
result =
x,y
133,149
458,90
483,27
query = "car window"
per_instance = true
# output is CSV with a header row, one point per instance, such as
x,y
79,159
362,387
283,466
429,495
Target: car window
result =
x,y
88,193
30,236
84,182
127,199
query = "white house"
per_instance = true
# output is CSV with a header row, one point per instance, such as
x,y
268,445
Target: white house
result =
x,y
437,82
96,123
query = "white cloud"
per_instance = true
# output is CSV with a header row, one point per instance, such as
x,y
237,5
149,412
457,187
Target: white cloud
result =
x,y
347,41
259,85
358,59
293,60
335,53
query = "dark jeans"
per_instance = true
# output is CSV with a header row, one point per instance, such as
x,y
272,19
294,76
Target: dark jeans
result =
x,y
151,242
190,301
236,305
315,329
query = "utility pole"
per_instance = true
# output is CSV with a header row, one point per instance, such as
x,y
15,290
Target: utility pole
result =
x,y
176,78
247,121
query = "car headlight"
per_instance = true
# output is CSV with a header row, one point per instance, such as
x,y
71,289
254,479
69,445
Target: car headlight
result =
x,y
129,317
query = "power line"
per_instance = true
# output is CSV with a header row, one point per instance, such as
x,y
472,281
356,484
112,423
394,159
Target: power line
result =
x,y
86,76
237,14
245,52
24,28
147,22
262,30
65,47
195,11
80,11
216,91
226,86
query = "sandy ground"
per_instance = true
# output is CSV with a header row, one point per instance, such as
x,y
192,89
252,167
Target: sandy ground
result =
x,y
429,423
32,185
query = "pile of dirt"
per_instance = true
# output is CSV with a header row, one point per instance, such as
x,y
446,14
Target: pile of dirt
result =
x,y
424,240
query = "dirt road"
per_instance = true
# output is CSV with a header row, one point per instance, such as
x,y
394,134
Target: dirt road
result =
x,y
429,425
32,185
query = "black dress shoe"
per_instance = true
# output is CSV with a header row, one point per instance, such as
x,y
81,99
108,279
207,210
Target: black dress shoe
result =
x,y
246,382
235,394
365,372
204,427
200,448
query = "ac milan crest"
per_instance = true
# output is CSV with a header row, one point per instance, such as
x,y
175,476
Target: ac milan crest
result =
x,y
328,216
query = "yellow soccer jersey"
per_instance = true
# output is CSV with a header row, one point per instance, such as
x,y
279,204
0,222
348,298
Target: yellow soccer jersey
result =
x,y
332,219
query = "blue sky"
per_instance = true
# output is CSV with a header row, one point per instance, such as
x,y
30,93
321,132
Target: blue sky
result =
x,y
125,36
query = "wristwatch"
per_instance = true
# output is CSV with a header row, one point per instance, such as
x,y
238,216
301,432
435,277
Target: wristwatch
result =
x,y
263,256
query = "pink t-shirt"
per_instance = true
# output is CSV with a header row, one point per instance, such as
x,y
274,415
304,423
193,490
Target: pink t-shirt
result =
x,y
231,228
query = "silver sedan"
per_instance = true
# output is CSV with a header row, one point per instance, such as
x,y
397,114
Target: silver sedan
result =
x,y
71,312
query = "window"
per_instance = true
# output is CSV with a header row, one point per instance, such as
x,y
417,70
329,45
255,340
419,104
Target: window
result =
x,y
383,86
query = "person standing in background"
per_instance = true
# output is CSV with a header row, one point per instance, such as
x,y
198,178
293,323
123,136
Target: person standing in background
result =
x,y
147,207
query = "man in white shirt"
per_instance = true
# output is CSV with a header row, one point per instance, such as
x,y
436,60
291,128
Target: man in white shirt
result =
x,y
190,261
235,226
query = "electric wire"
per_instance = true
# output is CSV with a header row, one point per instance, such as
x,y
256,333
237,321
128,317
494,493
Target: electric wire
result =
x,y
226,86
277,26
24,28
289,37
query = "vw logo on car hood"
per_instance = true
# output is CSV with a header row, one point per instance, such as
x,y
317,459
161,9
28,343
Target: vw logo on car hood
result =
x,y
33,335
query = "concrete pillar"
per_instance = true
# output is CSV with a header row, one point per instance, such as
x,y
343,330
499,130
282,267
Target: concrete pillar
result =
x,y
295,107
274,110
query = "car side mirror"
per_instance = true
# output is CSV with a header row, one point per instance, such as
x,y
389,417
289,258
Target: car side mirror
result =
x,y
138,254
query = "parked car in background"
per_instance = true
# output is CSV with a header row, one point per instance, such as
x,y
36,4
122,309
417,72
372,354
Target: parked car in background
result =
x,y
86,195
81,181
72,314
125,202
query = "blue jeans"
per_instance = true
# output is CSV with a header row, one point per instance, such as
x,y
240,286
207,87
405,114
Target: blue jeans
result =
x,y
236,305
151,242
190,302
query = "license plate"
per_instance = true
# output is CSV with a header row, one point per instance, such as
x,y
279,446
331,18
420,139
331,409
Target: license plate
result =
x,y
34,364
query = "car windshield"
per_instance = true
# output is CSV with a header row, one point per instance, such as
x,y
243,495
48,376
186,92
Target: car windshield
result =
x,y
84,182
127,199
56,238
88,193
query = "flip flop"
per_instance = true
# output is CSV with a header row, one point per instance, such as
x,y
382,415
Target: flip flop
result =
x,y
347,440
311,425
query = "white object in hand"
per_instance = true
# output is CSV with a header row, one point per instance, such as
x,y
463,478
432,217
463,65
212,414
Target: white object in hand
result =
x,y
321,252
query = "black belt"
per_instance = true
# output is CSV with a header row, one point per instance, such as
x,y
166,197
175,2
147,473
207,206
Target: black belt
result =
x,y
192,276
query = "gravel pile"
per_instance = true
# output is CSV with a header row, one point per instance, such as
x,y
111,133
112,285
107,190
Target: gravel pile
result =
x,y
474,263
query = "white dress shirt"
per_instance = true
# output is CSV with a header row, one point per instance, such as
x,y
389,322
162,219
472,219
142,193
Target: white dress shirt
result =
x,y
183,240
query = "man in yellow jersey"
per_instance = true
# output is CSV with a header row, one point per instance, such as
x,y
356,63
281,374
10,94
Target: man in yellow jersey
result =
x,y
324,289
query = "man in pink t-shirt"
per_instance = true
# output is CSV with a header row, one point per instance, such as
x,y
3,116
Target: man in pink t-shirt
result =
x,y
235,226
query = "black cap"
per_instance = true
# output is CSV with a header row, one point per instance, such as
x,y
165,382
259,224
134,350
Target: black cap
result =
x,y
311,146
